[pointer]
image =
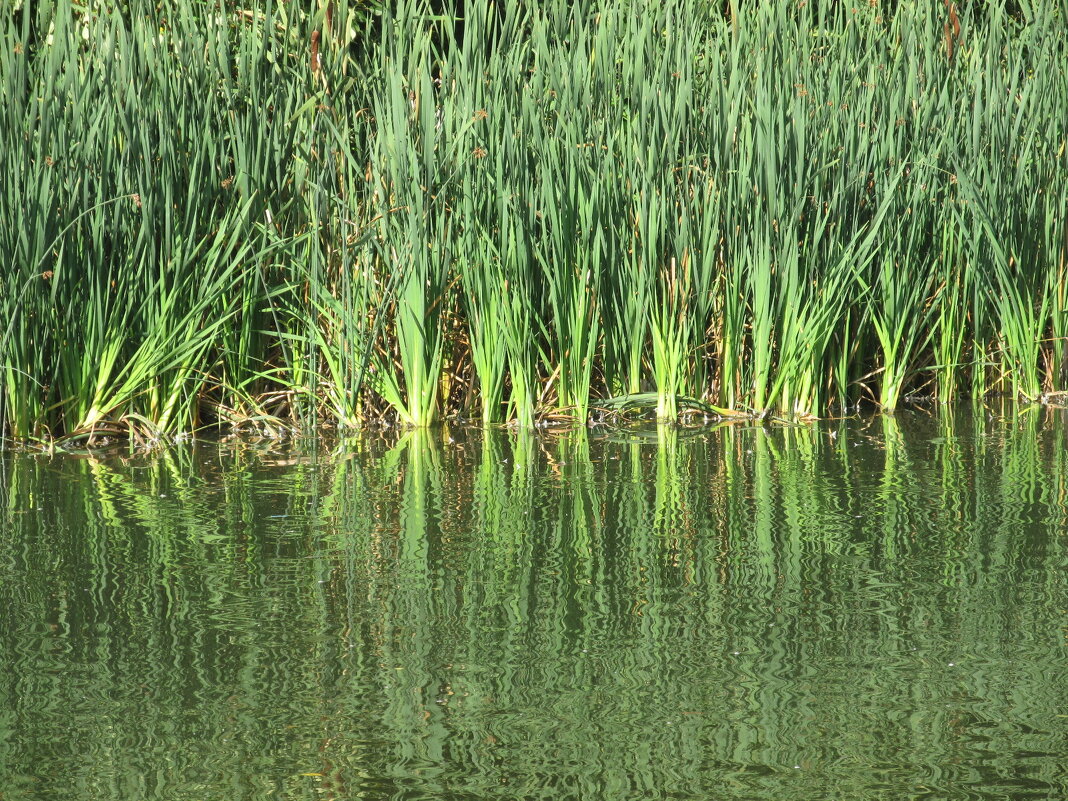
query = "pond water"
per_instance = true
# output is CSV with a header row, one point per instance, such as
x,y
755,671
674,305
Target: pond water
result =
x,y
863,609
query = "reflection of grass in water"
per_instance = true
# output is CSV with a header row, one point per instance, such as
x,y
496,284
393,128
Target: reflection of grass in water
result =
x,y
689,613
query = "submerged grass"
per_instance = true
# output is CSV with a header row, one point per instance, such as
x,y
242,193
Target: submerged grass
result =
x,y
267,216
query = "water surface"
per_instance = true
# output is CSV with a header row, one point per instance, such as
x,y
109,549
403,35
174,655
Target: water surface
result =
x,y
868,609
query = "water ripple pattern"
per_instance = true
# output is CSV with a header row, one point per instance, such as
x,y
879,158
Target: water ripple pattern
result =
x,y
871,609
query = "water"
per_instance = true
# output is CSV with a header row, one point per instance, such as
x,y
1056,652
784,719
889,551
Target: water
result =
x,y
858,610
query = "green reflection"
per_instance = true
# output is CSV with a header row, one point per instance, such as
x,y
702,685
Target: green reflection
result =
x,y
863,609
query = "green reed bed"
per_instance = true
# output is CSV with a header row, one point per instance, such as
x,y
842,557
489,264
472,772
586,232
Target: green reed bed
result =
x,y
407,211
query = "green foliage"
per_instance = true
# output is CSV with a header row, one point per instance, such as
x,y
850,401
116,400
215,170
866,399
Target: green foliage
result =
x,y
351,211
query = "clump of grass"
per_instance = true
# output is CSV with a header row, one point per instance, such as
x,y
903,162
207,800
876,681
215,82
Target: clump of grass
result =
x,y
268,216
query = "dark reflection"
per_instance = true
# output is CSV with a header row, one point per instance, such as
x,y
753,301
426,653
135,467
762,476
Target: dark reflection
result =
x,y
864,610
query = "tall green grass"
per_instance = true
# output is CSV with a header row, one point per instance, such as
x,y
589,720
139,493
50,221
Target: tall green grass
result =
x,y
408,211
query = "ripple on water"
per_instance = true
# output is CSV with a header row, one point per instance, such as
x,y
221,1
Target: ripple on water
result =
x,y
749,613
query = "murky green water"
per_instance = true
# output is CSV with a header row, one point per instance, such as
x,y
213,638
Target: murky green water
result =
x,y
865,610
